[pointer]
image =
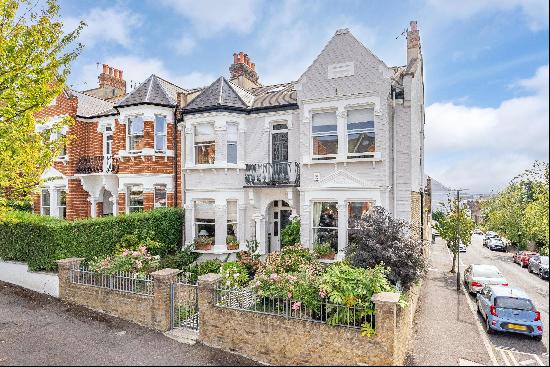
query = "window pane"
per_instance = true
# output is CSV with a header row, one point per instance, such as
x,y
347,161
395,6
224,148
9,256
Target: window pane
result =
x,y
232,132
231,152
280,127
136,125
160,124
160,196
357,211
160,142
361,116
324,235
205,153
61,198
361,142
324,122
231,211
325,214
204,133
135,198
45,197
46,210
206,229
323,145
204,210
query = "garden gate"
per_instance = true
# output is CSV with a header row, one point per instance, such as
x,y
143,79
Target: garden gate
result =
x,y
184,303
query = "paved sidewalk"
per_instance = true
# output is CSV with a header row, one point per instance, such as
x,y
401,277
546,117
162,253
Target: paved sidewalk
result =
x,y
446,331
39,330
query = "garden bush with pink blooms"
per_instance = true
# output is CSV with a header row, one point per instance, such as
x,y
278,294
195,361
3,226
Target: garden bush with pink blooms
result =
x,y
138,261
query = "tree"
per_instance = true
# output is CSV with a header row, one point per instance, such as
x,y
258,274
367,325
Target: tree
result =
x,y
455,227
34,66
438,215
381,239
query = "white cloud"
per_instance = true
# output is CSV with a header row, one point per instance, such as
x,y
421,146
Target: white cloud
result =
x,y
184,45
210,17
137,69
535,11
483,148
112,25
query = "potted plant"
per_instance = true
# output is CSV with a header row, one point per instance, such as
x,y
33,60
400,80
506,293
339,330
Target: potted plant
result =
x,y
232,243
324,251
203,243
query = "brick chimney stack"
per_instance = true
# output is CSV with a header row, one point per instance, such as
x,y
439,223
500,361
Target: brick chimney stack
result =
x,y
111,83
243,71
413,42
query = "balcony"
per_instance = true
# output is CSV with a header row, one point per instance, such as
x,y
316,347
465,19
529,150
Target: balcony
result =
x,y
96,164
272,174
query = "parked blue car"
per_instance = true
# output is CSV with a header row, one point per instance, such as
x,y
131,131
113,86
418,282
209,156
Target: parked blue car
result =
x,y
509,310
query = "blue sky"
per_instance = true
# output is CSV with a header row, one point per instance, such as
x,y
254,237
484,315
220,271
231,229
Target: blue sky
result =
x,y
486,62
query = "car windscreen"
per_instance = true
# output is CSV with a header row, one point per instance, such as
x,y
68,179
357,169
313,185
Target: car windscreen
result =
x,y
486,273
514,303
544,260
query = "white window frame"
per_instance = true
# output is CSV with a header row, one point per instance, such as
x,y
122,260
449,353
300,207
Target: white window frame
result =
x,y
55,135
332,156
195,144
130,136
359,131
313,227
235,223
232,142
128,206
42,206
196,224
163,134
163,187
61,214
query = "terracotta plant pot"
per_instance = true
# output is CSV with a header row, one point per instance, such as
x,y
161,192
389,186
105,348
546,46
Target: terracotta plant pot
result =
x,y
232,246
203,247
330,256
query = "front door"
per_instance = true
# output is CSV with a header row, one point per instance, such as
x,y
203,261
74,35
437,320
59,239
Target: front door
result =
x,y
279,219
279,154
108,150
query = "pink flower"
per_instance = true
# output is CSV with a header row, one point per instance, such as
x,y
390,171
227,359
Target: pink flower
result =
x,y
322,293
273,277
143,249
138,264
296,306
136,254
125,253
258,283
292,278
289,295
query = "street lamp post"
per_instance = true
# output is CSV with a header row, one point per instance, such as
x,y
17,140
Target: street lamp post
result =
x,y
458,235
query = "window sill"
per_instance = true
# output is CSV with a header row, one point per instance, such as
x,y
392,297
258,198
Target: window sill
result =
x,y
377,157
215,166
147,152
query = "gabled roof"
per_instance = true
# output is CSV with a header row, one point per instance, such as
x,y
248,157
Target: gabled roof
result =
x,y
154,90
89,106
219,94
274,95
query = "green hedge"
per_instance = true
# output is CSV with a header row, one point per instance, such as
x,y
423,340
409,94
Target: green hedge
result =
x,y
40,241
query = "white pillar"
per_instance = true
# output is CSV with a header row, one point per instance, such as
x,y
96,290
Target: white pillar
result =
x,y
93,208
342,228
341,120
189,226
241,226
114,200
54,209
221,227
259,221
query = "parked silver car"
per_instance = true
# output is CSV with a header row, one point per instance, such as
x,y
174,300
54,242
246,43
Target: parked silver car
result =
x,y
478,276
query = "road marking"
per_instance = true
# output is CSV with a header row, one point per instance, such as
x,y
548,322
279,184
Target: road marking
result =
x,y
538,359
465,362
526,362
504,358
514,360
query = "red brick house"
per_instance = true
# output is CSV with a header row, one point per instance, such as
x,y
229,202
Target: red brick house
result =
x,y
120,157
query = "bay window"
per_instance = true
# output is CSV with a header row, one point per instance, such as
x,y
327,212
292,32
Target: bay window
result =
x,y
205,144
45,202
357,211
205,222
325,135
135,198
325,224
135,126
232,218
232,136
160,196
160,133
360,126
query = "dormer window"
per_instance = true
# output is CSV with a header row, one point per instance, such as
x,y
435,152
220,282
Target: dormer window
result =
x,y
160,133
205,144
325,135
136,142
360,126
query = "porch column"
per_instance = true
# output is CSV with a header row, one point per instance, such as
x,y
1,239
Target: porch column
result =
x,y
305,226
342,229
114,199
54,209
93,208
241,225
259,221
189,227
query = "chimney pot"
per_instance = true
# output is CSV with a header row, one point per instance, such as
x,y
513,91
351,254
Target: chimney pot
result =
x,y
110,70
241,57
105,69
120,74
235,58
253,66
115,73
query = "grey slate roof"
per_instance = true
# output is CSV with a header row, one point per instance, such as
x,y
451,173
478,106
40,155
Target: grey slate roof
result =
x,y
219,94
223,94
89,106
154,90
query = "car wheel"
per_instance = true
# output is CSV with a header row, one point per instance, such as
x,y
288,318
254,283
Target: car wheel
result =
x,y
538,338
479,308
488,327
529,269
540,275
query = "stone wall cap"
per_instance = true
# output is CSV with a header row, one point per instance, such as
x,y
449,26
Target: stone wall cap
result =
x,y
70,260
386,297
163,273
210,278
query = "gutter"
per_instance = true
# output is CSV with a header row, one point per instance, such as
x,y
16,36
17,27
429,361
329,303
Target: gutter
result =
x,y
394,179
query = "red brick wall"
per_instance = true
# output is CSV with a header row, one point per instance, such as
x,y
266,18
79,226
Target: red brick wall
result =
x,y
78,205
121,203
36,203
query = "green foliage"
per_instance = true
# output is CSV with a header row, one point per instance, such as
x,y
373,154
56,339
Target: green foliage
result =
x,y
520,211
233,274
139,261
290,235
438,215
323,249
35,58
40,241
180,260
209,267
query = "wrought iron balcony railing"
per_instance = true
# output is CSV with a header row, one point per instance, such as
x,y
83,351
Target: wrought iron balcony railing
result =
x,y
272,174
97,164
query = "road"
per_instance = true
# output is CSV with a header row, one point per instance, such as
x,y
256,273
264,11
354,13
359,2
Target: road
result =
x,y
511,349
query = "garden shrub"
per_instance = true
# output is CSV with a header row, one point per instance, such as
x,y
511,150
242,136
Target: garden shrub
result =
x,y
40,241
290,235
379,238
180,260
139,261
233,275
